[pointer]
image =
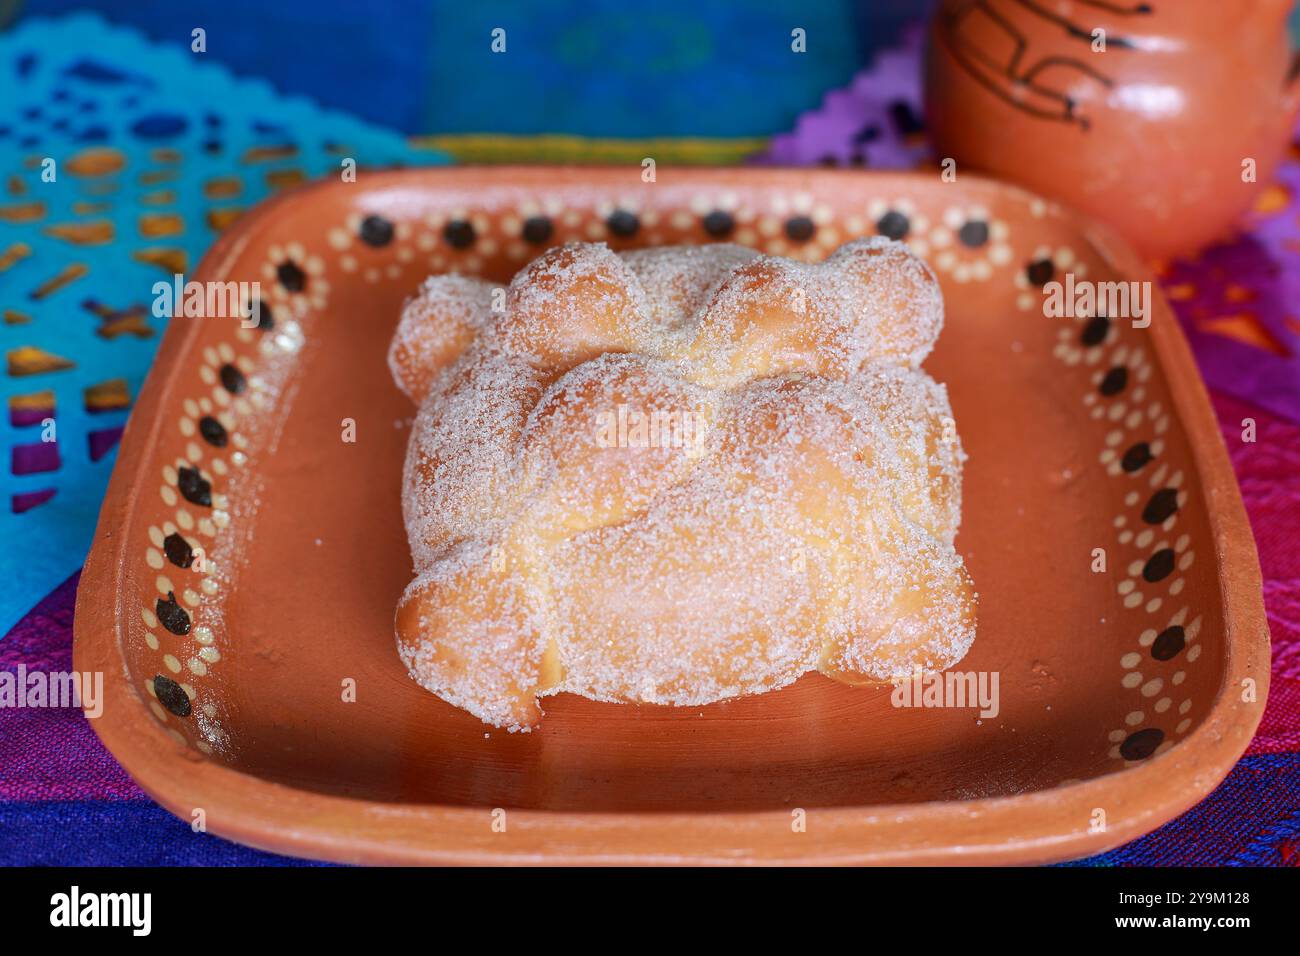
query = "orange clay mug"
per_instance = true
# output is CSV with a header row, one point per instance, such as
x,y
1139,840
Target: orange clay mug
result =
x,y
1148,116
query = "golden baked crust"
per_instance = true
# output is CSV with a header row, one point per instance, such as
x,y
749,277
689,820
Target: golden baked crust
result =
x,y
678,475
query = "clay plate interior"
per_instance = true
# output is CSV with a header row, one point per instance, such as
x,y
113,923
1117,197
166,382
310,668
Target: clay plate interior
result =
x,y
1119,690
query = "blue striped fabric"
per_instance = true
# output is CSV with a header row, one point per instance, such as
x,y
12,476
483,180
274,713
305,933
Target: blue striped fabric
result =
x,y
132,833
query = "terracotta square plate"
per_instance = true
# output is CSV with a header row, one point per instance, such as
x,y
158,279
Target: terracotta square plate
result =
x,y
248,560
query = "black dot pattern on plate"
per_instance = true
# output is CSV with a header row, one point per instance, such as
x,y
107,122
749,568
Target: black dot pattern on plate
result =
x,y
1159,566
1169,643
800,228
232,379
265,316
622,223
213,432
893,225
1113,382
1137,457
173,617
172,696
974,233
376,231
459,233
538,229
178,550
1040,272
291,276
1094,333
1162,504
1141,743
719,223
193,487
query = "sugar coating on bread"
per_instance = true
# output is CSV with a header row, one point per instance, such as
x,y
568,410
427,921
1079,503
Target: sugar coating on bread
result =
x,y
678,475
436,327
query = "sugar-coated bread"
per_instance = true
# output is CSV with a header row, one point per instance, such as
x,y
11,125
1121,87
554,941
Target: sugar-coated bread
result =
x,y
436,327
678,475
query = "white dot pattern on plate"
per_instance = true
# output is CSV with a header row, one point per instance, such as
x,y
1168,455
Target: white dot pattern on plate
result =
x,y
1150,559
